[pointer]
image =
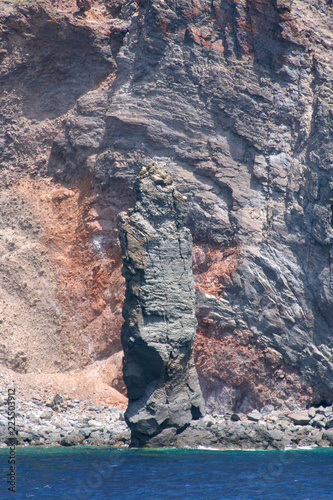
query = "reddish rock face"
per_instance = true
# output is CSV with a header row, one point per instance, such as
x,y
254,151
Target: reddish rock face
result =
x,y
224,361
78,261
236,97
226,355
214,267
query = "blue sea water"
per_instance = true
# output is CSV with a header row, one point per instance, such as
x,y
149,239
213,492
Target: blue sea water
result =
x,y
114,474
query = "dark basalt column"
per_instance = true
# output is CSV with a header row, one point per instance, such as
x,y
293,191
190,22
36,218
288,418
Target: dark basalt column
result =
x,y
160,324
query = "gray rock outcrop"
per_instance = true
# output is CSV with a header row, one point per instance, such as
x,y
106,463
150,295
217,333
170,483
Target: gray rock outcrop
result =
x,y
160,323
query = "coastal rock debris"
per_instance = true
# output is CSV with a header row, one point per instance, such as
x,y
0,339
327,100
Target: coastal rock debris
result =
x,y
160,323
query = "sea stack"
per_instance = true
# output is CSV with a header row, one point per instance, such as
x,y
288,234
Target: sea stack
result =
x,y
160,324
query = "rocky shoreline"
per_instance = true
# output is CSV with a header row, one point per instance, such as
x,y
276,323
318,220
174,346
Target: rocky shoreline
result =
x,y
267,429
69,422
74,422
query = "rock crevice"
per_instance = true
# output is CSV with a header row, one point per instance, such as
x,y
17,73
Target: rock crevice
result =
x,y
160,323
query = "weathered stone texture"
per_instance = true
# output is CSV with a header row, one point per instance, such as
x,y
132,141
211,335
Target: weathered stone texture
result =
x,y
160,323
236,96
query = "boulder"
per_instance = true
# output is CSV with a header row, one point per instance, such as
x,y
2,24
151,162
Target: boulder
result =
x,y
254,416
193,437
73,439
328,435
329,424
300,417
267,410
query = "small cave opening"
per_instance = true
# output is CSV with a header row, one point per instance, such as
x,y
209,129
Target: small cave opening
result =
x,y
196,413
323,402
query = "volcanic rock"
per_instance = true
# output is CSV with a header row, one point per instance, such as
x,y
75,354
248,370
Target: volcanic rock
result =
x,y
255,416
237,98
160,323
300,417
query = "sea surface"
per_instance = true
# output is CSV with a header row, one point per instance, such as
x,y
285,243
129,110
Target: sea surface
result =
x,y
114,474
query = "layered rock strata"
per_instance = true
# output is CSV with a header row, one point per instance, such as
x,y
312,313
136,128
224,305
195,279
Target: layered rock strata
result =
x,y
160,323
236,97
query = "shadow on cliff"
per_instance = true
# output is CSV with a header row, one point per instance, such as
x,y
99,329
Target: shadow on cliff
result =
x,y
55,60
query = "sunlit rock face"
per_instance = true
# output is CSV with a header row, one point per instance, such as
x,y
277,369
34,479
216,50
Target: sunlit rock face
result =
x,y
236,98
160,323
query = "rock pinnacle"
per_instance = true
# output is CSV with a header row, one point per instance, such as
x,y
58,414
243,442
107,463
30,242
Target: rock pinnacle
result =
x,y
160,324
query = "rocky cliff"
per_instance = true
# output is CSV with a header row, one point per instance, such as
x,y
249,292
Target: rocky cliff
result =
x,y
236,97
160,323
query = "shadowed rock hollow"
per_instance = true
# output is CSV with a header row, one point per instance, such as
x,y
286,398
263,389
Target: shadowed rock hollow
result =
x,y
160,323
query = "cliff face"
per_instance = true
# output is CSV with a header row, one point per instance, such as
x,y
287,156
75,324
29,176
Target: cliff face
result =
x,y
58,305
160,324
236,97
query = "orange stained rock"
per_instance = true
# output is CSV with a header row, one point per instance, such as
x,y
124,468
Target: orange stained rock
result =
x,y
214,267
80,240
238,361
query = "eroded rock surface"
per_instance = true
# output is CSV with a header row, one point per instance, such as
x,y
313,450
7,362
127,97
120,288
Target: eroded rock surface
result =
x,y
160,323
236,97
